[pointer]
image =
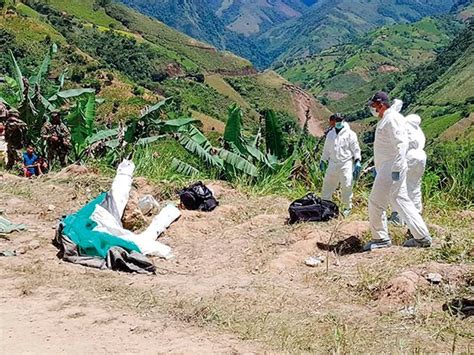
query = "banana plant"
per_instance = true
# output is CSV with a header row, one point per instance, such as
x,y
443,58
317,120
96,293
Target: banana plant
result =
x,y
238,154
34,105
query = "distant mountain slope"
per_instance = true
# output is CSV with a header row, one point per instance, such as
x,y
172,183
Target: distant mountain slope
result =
x,y
197,19
131,60
344,76
330,22
263,30
251,17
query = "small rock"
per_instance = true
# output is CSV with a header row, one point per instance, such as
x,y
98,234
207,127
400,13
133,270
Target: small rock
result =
x,y
51,208
34,244
408,311
313,261
434,278
20,250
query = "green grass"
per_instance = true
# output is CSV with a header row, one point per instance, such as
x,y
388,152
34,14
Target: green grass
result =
x,y
455,85
83,9
30,30
154,163
435,126
262,97
217,82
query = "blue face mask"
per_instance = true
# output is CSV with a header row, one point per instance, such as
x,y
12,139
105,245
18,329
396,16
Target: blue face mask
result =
x,y
339,125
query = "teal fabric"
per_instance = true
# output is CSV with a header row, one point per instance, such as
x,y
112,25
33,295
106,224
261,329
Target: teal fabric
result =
x,y
79,228
7,227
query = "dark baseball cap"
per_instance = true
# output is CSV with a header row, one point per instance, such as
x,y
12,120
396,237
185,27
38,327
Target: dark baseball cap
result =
x,y
338,117
381,97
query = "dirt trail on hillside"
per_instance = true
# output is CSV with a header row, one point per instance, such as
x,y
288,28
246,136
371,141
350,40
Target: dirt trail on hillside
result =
x,y
238,283
306,103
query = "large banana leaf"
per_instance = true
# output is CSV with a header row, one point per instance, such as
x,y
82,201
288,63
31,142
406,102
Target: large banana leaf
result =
x,y
193,147
29,115
197,136
81,122
44,67
90,113
184,168
152,110
274,135
71,94
103,135
18,76
149,140
233,128
259,156
238,162
177,124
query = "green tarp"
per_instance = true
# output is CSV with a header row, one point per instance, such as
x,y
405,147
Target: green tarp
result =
x,y
79,228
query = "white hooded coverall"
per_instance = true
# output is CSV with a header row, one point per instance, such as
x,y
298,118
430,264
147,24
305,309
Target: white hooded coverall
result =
x,y
390,150
340,149
416,159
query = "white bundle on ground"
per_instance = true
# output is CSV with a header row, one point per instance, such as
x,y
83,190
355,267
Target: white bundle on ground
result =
x,y
108,223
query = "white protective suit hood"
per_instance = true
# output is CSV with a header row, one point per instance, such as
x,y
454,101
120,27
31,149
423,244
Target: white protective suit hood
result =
x,y
397,105
341,147
391,141
416,137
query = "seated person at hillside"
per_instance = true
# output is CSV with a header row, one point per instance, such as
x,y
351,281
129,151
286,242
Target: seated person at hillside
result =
x,y
31,165
43,164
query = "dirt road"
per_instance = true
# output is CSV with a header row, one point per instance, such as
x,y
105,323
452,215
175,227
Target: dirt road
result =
x,y
305,104
237,285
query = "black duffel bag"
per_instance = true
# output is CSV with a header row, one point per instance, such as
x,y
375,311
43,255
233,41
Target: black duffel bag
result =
x,y
312,209
198,197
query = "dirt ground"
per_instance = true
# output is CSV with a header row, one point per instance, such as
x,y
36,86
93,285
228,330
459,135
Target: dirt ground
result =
x,y
238,284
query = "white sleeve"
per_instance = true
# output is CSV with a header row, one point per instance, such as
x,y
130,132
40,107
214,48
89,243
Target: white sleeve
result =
x,y
355,148
326,154
400,143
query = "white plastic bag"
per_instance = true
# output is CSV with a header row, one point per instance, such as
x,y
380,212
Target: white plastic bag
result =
x,y
148,205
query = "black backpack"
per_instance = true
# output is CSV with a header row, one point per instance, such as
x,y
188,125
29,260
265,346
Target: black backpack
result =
x,y
198,197
312,209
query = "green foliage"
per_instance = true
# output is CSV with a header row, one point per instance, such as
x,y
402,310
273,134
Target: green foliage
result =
x,y
233,128
451,172
34,107
184,168
81,123
195,148
274,135
237,162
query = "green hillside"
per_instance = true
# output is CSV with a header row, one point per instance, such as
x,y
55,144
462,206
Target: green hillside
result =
x,y
442,91
131,60
344,76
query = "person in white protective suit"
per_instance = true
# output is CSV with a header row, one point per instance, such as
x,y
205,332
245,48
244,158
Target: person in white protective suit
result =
x,y
342,151
416,161
390,186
